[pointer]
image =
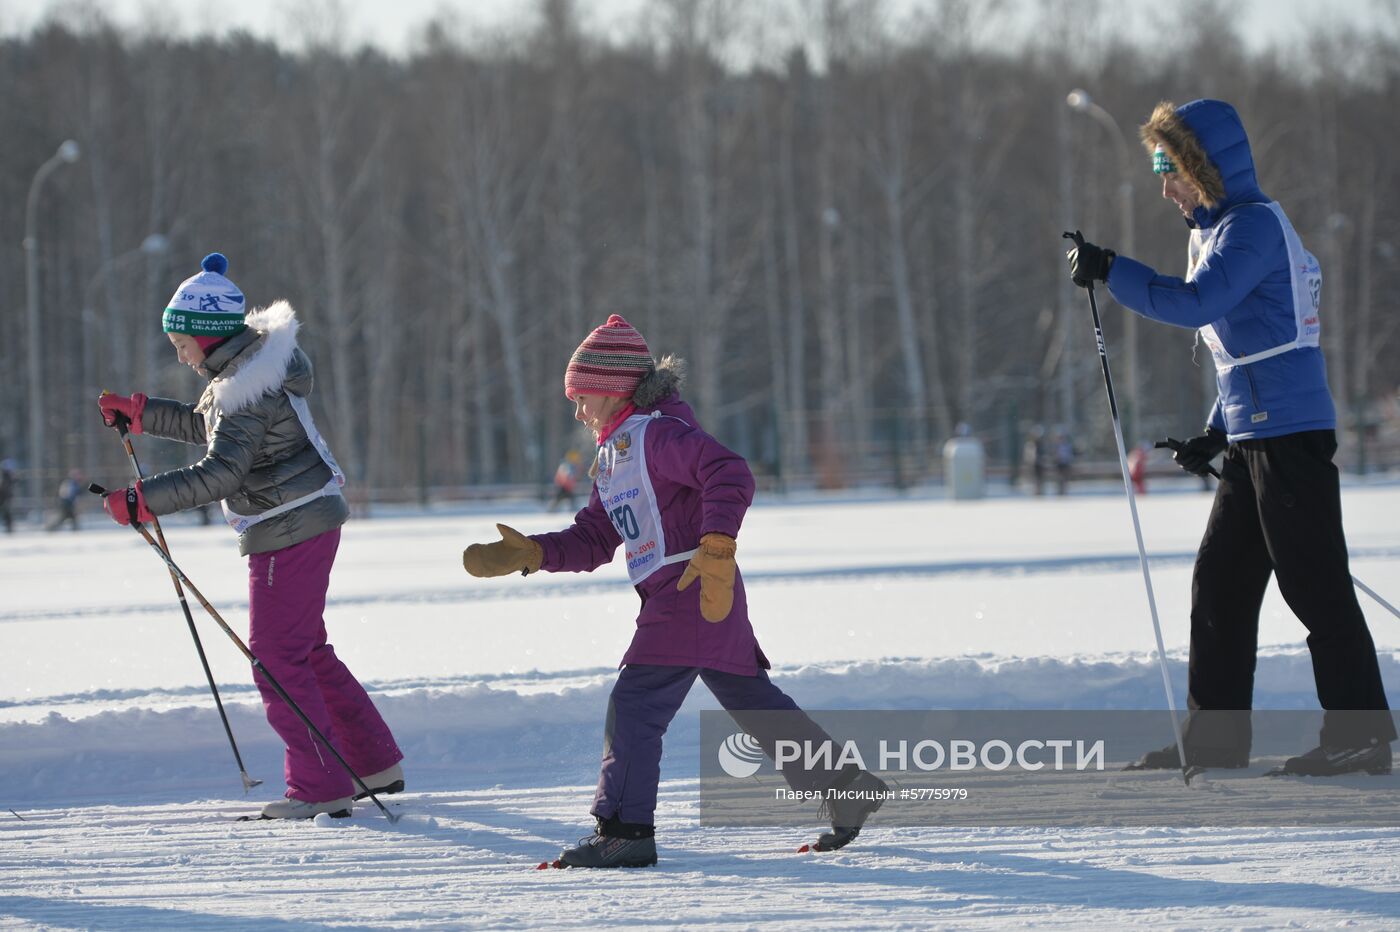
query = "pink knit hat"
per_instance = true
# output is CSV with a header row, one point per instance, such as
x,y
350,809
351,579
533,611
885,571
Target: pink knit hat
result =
x,y
612,360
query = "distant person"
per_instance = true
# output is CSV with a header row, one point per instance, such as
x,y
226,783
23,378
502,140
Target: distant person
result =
x,y
1137,467
281,492
7,494
68,492
566,479
1062,449
675,498
1254,293
1033,458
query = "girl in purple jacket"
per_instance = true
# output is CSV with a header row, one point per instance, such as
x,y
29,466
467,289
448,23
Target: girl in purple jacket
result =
x,y
674,497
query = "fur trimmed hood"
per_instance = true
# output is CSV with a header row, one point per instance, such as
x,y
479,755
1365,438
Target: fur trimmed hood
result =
x,y
661,383
266,364
1207,141
1167,129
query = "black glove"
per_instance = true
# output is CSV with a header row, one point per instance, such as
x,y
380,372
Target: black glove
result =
x,y
1194,455
1088,263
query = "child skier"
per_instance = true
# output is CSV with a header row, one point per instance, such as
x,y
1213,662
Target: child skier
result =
x,y
281,492
675,497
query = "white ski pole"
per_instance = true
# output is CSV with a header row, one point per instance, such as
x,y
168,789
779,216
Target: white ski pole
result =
x,y
1375,595
1137,525
1174,444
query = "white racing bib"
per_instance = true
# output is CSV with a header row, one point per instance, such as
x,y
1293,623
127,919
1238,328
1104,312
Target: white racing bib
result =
x,y
1307,295
624,487
241,523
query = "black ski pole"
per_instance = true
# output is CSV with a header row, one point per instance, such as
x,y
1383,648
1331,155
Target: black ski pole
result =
x,y
1171,443
1137,525
248,782
140,528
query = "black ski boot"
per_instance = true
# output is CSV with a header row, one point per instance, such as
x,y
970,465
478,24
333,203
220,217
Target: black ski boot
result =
x,y
1324,761
853,798
613,844
1168,758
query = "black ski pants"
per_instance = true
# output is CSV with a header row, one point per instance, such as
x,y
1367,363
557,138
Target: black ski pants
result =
x,y
1278,510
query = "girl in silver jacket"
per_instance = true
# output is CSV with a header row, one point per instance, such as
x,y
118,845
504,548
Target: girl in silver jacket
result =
x,y
281,492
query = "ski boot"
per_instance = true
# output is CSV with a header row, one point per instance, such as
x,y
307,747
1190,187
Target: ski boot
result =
x,y
385,783
1324,761
614,843
858,795
1168,758
289,808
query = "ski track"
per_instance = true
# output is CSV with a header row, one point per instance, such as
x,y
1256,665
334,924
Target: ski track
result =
x,y
555,589
122,796
467,860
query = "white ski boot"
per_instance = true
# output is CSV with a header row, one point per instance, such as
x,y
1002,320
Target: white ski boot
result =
x,y
290,808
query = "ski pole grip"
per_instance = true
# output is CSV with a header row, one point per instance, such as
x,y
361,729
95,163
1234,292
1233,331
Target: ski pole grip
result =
x,y
1171,443
120,422
96,489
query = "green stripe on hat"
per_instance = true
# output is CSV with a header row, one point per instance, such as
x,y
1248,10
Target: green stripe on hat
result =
x,y
200,323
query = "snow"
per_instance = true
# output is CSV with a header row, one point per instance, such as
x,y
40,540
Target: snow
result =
x,y
121,789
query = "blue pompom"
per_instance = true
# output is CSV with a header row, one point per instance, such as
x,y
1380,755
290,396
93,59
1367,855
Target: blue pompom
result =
x,y
215,262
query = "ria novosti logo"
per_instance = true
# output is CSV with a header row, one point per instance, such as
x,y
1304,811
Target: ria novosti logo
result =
x,y
740,755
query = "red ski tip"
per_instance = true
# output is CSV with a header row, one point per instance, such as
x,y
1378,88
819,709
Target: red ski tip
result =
x,y
804,849
544,866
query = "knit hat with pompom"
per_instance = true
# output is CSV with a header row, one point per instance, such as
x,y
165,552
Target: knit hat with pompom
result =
x,y
612,360
207,306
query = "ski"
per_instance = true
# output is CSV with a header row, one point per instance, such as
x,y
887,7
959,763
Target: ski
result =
x,y
834,840
338,814
1280,770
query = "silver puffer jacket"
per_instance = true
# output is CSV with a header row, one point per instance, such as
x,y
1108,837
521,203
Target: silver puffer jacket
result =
x,y
259,455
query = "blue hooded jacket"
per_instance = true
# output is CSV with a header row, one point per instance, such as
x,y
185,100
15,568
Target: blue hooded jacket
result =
x,y
1243,287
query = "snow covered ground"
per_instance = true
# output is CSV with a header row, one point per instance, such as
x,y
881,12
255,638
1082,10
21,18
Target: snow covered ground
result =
x,y
121,789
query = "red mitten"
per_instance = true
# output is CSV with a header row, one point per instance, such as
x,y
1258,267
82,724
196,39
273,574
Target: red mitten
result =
x,y
127,505
114,406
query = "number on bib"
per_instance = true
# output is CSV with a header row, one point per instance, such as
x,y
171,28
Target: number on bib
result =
x,y
626,522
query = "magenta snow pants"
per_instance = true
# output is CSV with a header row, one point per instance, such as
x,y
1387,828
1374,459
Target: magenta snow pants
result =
x,y
286,632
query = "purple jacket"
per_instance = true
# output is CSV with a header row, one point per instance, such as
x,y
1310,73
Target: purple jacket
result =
x,y
701,486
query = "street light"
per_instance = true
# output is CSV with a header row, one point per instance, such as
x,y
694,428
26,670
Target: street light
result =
x,y
67,154
156,244
1080,101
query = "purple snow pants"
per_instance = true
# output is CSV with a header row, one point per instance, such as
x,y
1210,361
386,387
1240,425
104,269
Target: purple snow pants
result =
x,y
287,596
643,702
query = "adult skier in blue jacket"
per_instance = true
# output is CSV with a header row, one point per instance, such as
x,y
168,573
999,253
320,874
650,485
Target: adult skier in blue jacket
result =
x,y
1254,294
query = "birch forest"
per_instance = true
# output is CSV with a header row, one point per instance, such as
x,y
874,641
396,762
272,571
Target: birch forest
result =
x,y
847,218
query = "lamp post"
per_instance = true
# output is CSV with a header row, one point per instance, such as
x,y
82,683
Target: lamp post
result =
x,y
67,153
156,244
1080,101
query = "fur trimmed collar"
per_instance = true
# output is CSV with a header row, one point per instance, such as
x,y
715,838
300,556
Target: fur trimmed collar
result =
x,y
1167,129
663,381
261,368
659,384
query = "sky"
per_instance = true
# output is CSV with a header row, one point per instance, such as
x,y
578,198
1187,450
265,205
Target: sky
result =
x,y
392,24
